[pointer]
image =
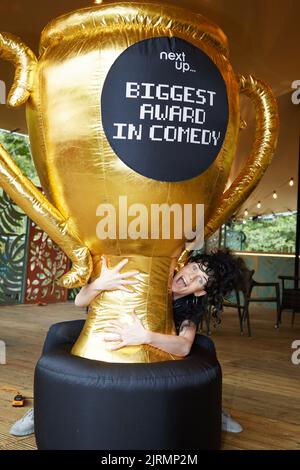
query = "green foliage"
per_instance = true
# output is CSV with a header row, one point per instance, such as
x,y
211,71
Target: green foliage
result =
x,y
12,250
12,218
12,268
269,234
18,147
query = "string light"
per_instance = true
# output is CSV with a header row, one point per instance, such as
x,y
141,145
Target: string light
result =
x,y
291,183
98,2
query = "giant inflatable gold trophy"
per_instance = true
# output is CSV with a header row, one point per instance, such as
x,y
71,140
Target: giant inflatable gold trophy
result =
x,y
131,105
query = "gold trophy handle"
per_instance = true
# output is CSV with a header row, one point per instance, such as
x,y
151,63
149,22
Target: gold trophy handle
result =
x,y
21,189
266,133
14,50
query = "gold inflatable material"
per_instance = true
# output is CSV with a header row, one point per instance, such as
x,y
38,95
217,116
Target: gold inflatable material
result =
x,y
14,50
79,170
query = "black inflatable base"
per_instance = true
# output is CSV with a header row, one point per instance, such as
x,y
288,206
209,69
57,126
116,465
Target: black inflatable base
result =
x,y
83,404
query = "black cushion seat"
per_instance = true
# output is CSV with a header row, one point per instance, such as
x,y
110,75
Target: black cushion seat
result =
x,y
86,404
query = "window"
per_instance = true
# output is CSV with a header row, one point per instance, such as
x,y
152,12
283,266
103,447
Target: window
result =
x,y
18,147
273,233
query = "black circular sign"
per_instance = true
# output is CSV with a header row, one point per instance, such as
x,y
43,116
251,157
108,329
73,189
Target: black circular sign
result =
x,y
165,109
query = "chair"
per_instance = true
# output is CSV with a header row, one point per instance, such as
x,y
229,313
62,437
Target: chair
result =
x,y
246,286
206,318
290,298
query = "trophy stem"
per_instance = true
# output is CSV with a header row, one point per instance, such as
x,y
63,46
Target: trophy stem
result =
x,y
151,300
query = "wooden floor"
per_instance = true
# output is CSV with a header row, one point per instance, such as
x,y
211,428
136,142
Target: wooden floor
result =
x,y
261,386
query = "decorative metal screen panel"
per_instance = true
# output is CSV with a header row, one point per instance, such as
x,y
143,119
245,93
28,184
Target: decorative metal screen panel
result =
x,y
12,251
30,262
46,263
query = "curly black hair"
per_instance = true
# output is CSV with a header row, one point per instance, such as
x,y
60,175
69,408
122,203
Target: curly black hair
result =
x,y
224,273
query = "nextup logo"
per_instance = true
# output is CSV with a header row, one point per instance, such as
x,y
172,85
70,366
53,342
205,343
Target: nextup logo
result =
x,y
179,59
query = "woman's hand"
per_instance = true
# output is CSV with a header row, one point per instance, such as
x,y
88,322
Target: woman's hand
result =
x,y
109,279
126,334
112,279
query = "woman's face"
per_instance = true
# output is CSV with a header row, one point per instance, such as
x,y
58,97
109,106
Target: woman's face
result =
x,y
191,279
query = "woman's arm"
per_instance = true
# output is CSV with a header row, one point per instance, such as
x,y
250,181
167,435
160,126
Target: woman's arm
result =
x,y
179,345
109,279
86,295
135,333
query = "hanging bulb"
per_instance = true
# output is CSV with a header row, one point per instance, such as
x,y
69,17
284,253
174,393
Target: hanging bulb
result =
x,y
245,212
98,2
275,195
258,205
291,182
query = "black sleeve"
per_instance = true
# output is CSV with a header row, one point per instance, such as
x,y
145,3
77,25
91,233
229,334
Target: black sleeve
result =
x,y
188,308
